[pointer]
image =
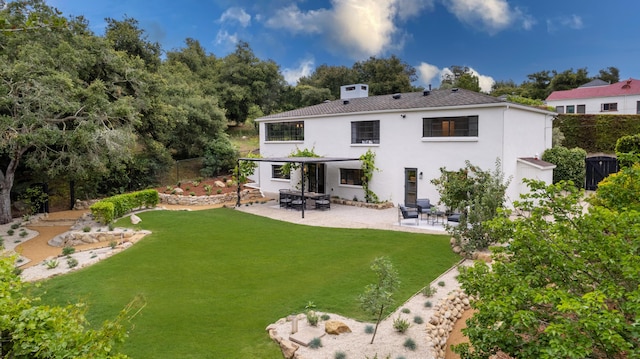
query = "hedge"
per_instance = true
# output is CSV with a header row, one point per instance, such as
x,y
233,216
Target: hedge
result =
x,y
596,133
110,208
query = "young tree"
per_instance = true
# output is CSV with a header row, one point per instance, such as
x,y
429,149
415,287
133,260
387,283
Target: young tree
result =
x,y
567,284
379,296
476,195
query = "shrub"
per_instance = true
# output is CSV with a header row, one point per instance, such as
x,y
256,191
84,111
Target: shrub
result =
x,y
111,226
410,344
406,310
68,250
86,229
400,325
207,189
192,194
50,264
429,291
219,191
1,242
113,244
339,355
312,318
72,262
418,319
10,232
369,329
15,226
570,164
196,183
441,283
315,343
23,233
428,304
628,150
110,208
325,317
219,157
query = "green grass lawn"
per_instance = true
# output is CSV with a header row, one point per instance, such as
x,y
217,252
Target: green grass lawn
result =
x,y
214,279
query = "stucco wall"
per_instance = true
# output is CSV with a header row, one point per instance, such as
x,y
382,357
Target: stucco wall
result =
x,y
503,133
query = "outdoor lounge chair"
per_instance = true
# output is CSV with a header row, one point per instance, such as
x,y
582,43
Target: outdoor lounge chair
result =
x,y
424,206
407,213
323,202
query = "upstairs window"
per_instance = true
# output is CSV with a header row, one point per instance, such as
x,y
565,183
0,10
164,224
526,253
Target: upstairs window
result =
x,y
365,132
285,131
609,107
571,109
462,126
351,176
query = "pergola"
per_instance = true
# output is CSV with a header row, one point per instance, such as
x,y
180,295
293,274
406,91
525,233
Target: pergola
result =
x,y
303,161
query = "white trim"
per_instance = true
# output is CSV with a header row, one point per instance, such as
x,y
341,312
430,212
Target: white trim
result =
x,y
450,139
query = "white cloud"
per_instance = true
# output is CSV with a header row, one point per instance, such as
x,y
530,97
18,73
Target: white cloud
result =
x,y
224,37
573,22
491,15
305,68
353,27
236,14
484,81
296,21
427,73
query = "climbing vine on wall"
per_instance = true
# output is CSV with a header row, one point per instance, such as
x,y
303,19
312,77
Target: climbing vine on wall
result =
x,y
288,167
368,167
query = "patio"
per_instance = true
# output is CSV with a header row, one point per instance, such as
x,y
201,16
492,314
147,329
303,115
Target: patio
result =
x,y
342,216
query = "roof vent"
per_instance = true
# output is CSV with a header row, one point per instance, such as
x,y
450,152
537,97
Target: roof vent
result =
x,y
396,96
426,93
455,89
345,102
326,101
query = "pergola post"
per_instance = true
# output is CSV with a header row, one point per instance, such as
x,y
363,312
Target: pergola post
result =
x,y
238,182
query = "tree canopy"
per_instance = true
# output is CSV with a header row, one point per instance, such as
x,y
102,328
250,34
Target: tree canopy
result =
x,y
567,284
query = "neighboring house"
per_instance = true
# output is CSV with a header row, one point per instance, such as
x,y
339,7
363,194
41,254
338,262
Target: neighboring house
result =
x,y
595,97
412,134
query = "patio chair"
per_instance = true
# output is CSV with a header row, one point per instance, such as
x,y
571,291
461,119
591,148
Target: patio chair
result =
x,y
407,213
285,199
323,202
424,207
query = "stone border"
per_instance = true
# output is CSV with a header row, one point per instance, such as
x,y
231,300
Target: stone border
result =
x,y
383,205
447,313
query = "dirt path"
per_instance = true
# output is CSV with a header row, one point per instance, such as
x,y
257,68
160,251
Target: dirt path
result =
x,y
456,336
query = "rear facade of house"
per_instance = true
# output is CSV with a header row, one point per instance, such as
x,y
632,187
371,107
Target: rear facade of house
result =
x,y
413,135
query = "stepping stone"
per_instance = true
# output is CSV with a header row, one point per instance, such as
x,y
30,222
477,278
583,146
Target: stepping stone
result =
x,y
306,335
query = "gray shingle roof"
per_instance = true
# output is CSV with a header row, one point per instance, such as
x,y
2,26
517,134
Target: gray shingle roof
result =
x,y
405,101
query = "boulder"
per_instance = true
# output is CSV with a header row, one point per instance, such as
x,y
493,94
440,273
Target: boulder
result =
x,y
178,190
219,184
288,348
135,219
336,327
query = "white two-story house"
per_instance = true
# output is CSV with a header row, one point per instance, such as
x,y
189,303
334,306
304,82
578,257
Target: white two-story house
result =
x,y
599,97
412,135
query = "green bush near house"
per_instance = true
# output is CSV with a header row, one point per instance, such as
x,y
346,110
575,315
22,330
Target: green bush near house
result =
x,y
214,279
570,164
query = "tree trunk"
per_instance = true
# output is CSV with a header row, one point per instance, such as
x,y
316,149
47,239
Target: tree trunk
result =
x,y
6,183
5,204
377,323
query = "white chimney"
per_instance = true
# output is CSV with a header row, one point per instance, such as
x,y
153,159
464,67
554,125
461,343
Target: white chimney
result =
x,y
354,91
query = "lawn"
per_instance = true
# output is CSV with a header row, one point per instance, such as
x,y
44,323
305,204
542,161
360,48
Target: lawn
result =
x,y
214,279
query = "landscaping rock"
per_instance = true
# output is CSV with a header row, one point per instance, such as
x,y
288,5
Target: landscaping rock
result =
x,y
220,184
336,327
135,219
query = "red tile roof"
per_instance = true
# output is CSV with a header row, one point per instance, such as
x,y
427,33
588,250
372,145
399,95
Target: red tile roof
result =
x,y
622,88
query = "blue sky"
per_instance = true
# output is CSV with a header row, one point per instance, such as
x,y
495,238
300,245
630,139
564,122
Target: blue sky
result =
x,y
498,39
